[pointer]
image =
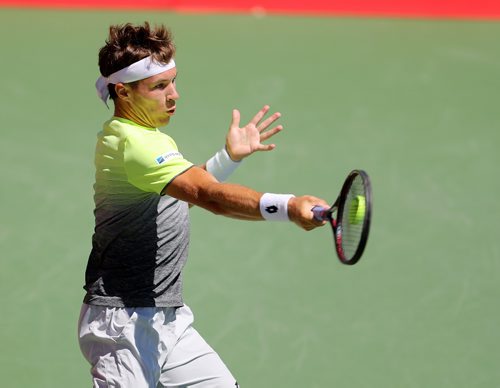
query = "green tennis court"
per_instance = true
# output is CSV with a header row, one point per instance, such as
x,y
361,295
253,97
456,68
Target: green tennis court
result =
x,y
413,102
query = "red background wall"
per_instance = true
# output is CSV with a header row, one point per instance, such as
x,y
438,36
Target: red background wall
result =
x,y
469,9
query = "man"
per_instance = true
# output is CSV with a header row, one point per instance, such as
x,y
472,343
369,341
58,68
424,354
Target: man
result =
x,y
134,328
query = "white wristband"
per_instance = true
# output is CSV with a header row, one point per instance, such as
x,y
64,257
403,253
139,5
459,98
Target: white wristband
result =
x,y
274,207
221,165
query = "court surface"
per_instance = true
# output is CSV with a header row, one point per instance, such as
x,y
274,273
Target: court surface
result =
x,y
413,102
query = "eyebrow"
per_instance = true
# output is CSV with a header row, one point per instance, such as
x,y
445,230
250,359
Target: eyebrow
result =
x,y
166,79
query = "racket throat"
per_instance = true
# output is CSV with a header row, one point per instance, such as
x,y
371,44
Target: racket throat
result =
x,y
338,240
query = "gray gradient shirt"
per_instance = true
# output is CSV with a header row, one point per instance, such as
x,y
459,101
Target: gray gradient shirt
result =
x,y
141,238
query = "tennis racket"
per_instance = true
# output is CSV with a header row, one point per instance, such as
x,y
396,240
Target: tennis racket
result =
x,y
350,217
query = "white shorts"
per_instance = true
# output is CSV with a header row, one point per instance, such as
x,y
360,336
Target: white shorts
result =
x,y
148,347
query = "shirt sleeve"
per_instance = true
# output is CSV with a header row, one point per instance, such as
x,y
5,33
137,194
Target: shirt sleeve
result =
x,y
152,162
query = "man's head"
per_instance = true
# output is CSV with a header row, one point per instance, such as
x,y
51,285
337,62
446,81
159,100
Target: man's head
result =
x,y
146,53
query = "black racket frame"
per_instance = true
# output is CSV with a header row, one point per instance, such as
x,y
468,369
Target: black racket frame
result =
x,y
338,207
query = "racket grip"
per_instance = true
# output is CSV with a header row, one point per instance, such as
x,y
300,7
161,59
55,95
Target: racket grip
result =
x,y
320,213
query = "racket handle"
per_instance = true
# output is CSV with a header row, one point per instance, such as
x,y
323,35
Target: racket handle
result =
x,y
320,212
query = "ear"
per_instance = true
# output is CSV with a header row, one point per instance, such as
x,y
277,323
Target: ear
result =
x,y
122,91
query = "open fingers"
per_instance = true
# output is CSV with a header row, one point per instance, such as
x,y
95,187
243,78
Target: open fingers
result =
x,y
267,122
266,147
260,114
266,135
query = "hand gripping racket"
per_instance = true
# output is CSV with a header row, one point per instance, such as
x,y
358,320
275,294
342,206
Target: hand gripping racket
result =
x,y
353,209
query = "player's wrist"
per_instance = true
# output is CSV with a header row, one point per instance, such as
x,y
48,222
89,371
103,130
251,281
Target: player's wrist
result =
x,y
275,207
221,165
231,154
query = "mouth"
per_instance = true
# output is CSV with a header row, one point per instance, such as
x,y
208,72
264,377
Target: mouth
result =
x,y
171,111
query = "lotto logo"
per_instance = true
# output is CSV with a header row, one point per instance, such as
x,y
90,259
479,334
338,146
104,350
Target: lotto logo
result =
x,y
271,209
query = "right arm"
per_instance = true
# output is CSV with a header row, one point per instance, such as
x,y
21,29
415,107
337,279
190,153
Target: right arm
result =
x,y
200,188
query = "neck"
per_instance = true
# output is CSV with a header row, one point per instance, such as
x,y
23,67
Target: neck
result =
x,y
129,114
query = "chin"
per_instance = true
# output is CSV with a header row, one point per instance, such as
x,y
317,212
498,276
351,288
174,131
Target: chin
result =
x,y
163,122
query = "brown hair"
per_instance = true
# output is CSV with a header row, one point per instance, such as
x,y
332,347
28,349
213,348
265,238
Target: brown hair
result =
x,y
127,44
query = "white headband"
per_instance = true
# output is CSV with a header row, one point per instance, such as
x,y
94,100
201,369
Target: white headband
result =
x,y
145,68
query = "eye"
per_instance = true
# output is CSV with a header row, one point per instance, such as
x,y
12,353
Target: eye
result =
x,y
160,86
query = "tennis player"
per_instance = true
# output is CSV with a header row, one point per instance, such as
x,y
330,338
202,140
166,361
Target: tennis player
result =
x,y
134,328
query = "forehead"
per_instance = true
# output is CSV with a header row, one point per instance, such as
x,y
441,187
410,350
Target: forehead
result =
x,y
167,75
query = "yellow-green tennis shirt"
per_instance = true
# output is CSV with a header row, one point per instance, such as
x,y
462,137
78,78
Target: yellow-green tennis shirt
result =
x,y
141,237
138,157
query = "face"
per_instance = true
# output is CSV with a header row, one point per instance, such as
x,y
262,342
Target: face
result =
x,y
151,101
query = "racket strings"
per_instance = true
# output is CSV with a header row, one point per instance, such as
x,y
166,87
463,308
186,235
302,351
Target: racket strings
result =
x,y
353,217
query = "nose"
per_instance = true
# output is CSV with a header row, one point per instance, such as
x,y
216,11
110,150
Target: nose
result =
x,y
172,92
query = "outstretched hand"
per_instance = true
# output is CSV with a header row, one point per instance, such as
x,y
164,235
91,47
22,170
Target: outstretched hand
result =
x,y
244,141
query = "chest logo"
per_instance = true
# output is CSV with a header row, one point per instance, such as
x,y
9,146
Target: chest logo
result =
x,y
168,156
